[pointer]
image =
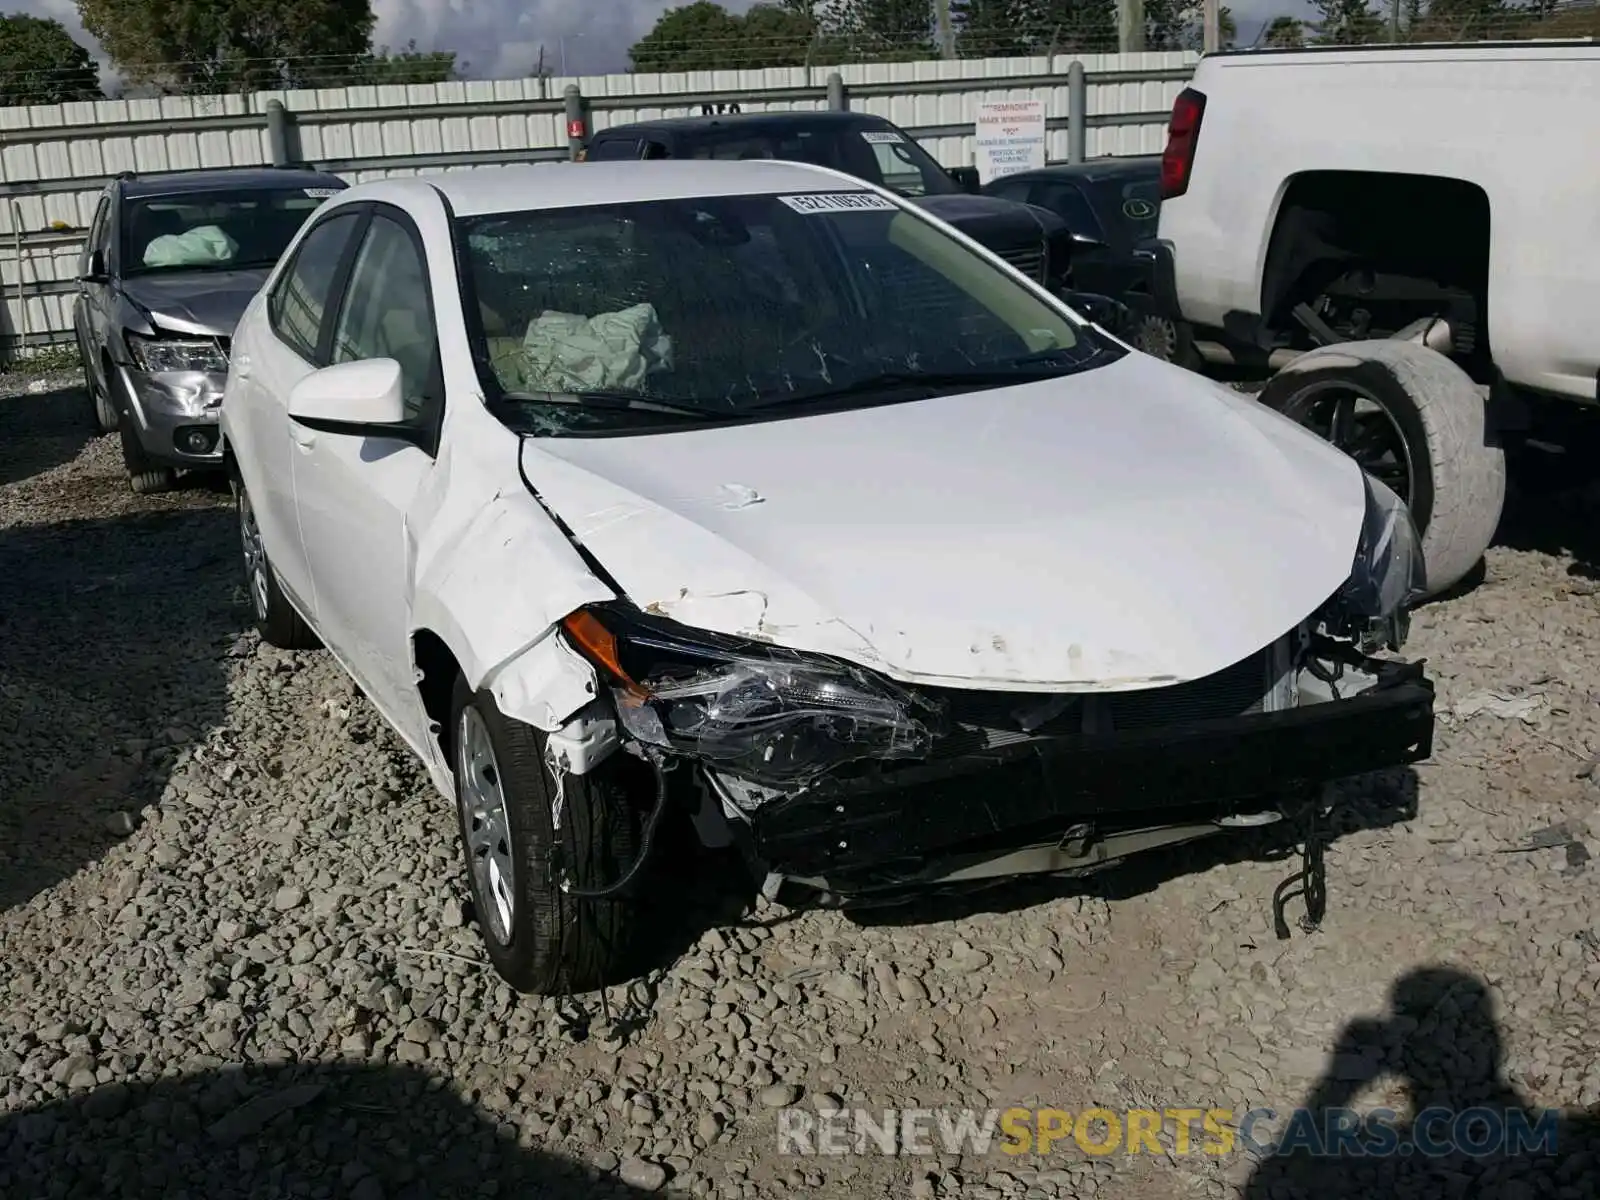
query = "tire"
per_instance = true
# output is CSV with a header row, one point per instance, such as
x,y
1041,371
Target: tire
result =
x,y
1164,338
145,477
540,940
275,618
1455,471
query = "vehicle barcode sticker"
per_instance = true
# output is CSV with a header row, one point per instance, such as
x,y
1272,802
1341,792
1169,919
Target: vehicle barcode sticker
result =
x,y
878,137
837,202
321,193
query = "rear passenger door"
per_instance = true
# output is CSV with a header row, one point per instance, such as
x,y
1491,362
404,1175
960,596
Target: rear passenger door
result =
x,y
267,359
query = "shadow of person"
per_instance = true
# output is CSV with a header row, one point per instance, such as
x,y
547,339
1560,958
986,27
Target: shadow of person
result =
x,y
1464,1131
364,1132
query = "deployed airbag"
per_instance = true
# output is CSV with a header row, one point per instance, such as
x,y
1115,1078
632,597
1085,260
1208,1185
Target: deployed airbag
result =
x,y
567,352
203,246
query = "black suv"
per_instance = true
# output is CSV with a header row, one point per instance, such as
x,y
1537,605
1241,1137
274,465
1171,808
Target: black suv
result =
x,y
1034,240
170,263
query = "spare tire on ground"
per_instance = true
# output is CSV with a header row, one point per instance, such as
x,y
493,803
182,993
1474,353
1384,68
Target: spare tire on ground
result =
x,y
1416,421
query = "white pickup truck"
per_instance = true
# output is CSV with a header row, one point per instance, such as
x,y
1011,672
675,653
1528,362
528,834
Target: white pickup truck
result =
x,y
1409,236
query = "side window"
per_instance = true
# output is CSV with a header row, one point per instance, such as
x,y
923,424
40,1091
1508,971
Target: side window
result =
x,y
386,311
614,149
96,239
897,169
300,299
1009,189
1073,207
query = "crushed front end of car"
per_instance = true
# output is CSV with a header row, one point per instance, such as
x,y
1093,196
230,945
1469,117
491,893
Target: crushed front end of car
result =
x,y
847,787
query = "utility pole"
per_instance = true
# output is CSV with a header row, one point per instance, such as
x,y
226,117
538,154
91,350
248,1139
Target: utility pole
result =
x,y
1394,21
1130,26
1212,21
947,32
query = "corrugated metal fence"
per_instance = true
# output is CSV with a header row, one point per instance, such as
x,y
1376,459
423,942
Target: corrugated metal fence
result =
x,y
55,158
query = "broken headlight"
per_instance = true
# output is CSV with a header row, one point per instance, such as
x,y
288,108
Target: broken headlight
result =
x,y
1373,608
160,355
761,712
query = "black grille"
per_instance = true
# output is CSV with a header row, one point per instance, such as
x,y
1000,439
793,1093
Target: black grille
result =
x,y
1232,692
979,720
1029,260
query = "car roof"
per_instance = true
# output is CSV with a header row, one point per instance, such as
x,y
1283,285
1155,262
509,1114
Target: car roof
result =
x,y
228,179
1098,170
750,122
574,185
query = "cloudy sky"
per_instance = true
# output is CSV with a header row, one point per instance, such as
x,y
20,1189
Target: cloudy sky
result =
x,y
501,38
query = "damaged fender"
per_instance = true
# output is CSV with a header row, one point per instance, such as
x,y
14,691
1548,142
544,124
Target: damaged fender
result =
x,y
493,577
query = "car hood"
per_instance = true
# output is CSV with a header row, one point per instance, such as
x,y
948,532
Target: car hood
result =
x,y
200,302
986,219
1125,527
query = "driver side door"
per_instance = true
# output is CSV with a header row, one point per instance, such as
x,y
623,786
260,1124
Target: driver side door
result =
x,y
353,492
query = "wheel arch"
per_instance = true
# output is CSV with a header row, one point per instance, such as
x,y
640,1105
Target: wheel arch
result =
x,y
1434,226
437,669
544,685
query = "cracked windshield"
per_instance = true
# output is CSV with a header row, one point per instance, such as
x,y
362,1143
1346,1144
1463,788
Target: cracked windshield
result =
x,y
719,308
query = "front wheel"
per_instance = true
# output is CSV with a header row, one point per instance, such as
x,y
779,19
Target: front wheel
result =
x,y
520,825
1416,422
145,476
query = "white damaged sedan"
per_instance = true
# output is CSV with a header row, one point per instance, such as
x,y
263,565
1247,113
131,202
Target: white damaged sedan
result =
x,y
748,494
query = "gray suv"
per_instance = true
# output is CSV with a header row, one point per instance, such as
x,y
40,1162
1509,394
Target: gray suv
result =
x,y
170,264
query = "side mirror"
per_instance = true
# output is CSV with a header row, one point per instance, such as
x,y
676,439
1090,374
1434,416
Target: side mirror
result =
x,y
356,399
966,178
1108,313
96,272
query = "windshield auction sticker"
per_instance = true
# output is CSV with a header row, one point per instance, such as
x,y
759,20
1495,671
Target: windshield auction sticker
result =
x,y
838,202
880,137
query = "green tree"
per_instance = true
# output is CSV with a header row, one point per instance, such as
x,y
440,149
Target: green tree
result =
x,y
1346,23
888,30
41,64
991,28
232,45
408,66
1285,33
704,36
1012,27
1472,20
1073,26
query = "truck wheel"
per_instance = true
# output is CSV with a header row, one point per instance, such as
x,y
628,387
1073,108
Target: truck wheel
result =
x,y
1415,421
541,940
1165,338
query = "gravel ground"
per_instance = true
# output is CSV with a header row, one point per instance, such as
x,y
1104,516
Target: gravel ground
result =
x,y
235,958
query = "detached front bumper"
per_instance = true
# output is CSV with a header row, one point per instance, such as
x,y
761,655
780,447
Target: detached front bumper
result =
x,y
860,833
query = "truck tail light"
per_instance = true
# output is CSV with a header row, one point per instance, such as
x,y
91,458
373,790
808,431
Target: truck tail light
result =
x,y
1183,133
